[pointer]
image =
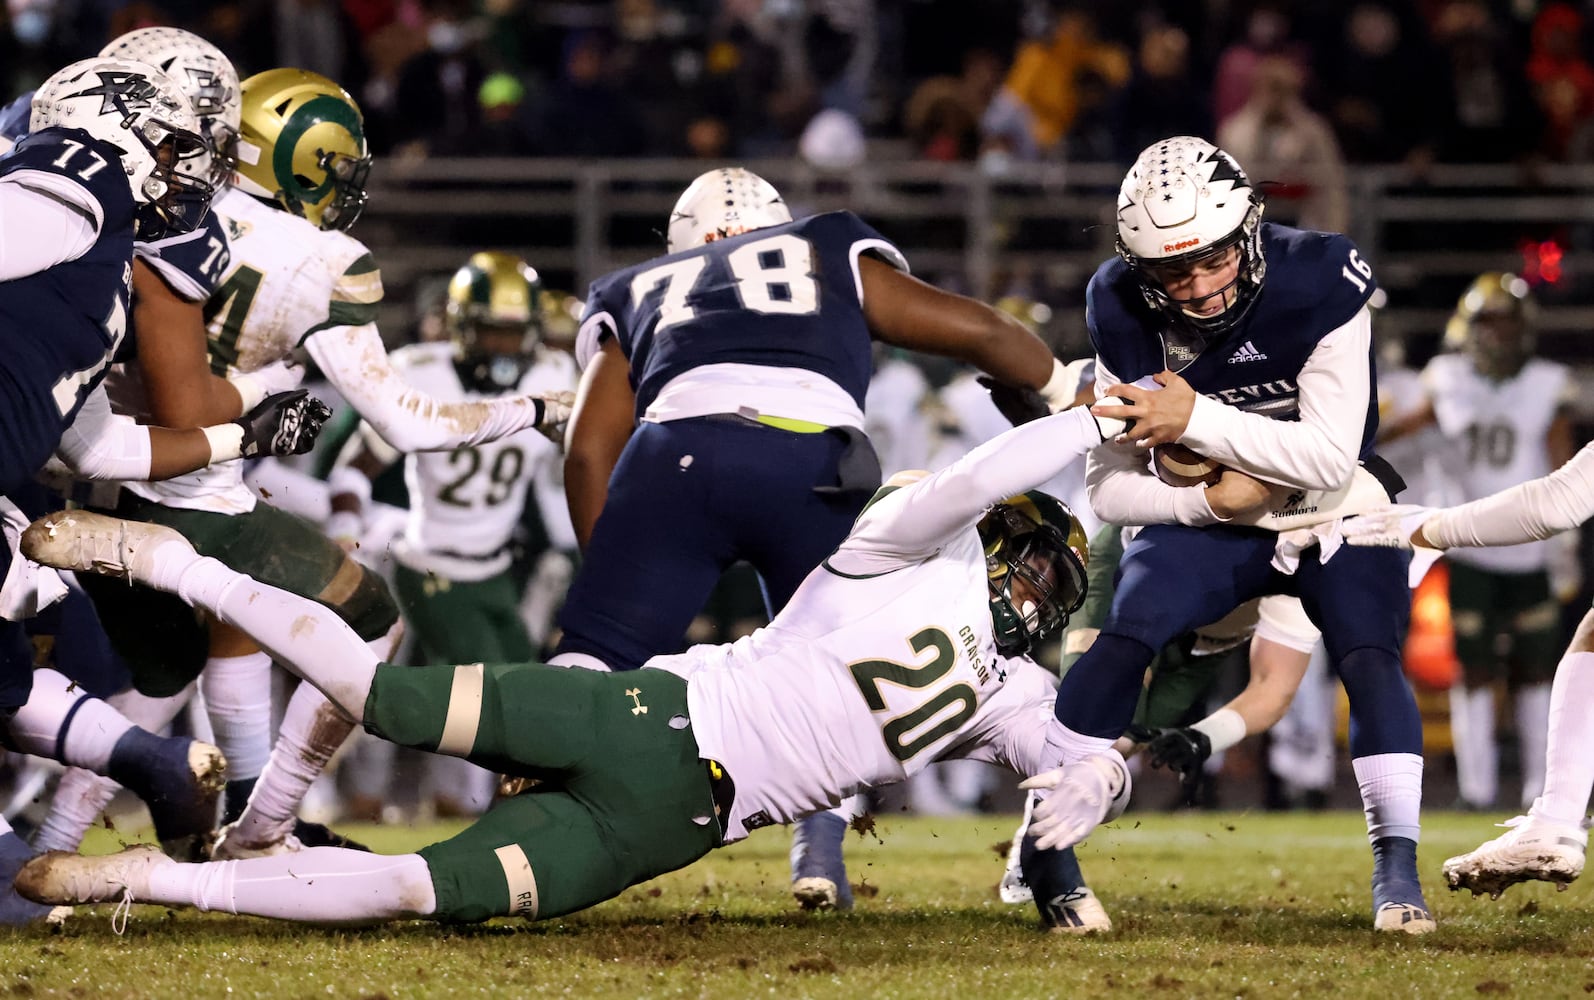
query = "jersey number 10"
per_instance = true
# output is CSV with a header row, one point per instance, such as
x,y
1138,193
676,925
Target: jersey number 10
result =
x,y
773,275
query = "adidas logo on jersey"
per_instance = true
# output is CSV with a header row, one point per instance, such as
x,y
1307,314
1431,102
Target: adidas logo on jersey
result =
x,y
1247,352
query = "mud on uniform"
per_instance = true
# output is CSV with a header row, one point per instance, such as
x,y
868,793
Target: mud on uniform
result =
x,y
882,662
288,280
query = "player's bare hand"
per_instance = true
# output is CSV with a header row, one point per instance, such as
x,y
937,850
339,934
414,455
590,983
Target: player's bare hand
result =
x,y
1160,416
1235,493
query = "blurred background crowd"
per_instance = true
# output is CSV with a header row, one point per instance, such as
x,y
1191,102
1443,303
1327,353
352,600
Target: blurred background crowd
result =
x,y
986,139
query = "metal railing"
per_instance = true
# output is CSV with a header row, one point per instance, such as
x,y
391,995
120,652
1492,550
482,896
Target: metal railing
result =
x,y
1039,226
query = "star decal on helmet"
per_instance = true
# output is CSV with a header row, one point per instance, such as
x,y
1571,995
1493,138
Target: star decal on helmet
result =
x,y
134,89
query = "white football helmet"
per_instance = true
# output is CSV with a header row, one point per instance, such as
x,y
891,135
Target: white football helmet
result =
x,y
144,115
724,202
205,75
1183,200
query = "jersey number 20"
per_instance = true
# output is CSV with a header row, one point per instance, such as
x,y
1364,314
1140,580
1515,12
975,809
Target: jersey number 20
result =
x,y
773,275
870,674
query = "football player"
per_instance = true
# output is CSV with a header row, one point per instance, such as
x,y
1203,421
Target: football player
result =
x,y
1549,842
722,394
1505,415
296,280
1276,386
905,646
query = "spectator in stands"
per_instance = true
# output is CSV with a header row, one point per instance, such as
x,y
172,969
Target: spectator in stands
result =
x,y
1040,98
586,113
942,117
1487,113
1163,96
1379,56
439,110
1268,32
1563,81
1290,148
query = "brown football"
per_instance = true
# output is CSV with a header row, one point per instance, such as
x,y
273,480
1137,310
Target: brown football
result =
x,y
1177,465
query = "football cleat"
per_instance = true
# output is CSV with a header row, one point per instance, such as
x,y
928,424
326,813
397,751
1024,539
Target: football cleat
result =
x,y
64,878
1532,849
1077,911
1398,903
98,543
1014,889
818,872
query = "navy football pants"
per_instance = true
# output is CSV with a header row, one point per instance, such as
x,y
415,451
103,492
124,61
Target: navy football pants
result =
x,y
1175,578
687,499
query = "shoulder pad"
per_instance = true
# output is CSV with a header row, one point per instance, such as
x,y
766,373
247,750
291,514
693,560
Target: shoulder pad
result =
x,y
1322,274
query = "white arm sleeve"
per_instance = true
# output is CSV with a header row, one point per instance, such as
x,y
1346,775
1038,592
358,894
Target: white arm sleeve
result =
x,y
915,521
102,445
1123,489
355,360
1528,512
40,229
1316,452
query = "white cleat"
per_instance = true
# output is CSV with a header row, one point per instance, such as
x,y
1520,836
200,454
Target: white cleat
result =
x,y
1404,918
1532,849
62,878
85,541
1076,912
231,847
815,893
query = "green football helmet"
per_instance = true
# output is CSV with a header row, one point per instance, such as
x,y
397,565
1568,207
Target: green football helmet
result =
x,y
1494,324
302,145
1033,540
500,295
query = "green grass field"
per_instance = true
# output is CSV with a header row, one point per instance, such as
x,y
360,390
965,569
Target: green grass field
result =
x,y
1213,904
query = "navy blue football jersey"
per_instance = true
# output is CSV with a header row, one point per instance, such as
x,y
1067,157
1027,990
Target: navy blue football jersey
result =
x,y
1315,283
193,263
60,327
785,296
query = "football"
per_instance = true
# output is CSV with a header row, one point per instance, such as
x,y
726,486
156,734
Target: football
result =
x,y
1177,465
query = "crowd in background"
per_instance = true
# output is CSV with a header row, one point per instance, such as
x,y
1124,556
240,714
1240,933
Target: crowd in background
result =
x,y
1293,89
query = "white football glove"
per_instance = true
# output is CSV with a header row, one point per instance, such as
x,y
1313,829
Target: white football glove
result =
x,y
279,376
1077,798
1389,527
554,414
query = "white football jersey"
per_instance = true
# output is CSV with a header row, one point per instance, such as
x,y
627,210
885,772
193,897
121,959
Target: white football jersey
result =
x,y
1497,430
885,659
288,280
465,503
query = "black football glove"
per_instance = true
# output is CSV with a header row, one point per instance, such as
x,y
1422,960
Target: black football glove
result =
x,y
284,423
1182,750
1019,404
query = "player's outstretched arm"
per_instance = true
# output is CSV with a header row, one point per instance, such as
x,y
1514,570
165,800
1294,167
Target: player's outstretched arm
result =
x,y
906,312
364,457
601,423
354,359
1528,512
173,357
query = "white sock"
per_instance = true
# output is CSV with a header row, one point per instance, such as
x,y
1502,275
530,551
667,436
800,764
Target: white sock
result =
x,y
1569,755
303,636
312,730
1391,786
63,722
583,661
79,799
1532,705
319,885
1472,732
237,692
850,808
